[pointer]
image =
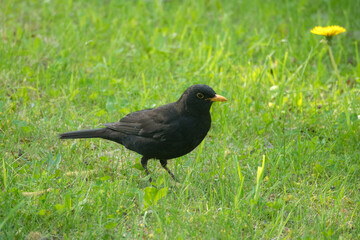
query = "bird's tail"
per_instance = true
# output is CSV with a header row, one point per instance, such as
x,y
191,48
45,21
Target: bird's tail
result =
x,y
93,133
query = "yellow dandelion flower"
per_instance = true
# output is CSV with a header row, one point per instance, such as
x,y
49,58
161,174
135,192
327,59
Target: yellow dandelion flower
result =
x,y
329,31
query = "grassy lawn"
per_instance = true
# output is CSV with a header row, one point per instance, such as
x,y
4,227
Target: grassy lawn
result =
x,y
281,160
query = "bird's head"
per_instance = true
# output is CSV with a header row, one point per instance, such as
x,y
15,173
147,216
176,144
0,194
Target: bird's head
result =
x,y
198,98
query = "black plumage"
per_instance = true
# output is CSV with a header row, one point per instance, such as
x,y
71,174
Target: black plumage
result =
x,y
162,133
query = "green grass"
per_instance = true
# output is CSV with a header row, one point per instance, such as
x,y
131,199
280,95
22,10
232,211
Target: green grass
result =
x,y
68,65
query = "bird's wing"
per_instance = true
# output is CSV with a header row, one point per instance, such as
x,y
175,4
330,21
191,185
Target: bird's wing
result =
x,y
131,124
151,123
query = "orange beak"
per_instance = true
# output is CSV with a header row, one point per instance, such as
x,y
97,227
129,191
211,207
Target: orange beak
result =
x,y
217,98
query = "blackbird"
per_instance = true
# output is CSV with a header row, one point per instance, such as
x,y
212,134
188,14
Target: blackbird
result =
x,y
162,133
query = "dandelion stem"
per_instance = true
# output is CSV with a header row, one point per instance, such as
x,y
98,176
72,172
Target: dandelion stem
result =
x,y
334,63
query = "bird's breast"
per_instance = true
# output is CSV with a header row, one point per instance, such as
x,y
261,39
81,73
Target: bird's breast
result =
x,y
192,131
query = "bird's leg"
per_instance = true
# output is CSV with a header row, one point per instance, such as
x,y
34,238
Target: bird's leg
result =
x,y
144,161
163,164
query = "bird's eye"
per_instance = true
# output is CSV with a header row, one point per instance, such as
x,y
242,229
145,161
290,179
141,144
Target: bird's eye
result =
x,y
200,95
